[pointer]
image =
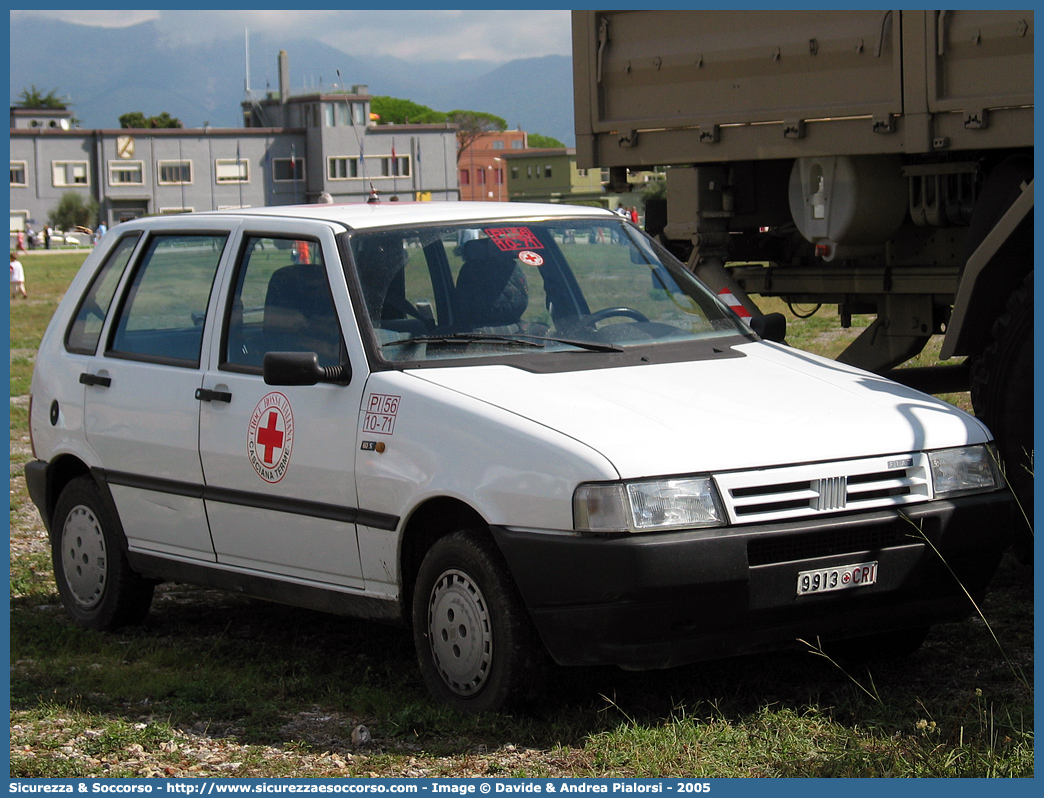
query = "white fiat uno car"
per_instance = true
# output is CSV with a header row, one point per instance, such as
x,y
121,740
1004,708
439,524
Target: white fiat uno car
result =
x,y
522,430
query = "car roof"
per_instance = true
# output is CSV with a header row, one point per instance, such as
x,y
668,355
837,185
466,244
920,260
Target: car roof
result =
x,y
363,215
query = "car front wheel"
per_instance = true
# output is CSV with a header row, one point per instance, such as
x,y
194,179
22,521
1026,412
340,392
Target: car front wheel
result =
x,y
97,585
471,631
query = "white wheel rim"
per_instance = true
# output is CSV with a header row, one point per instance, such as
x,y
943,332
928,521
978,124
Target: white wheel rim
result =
x,y
84,557
460,632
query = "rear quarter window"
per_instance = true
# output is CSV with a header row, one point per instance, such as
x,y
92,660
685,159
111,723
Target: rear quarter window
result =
x,y
85,329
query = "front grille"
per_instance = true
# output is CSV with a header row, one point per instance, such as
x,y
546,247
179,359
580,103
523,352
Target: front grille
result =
x,y
802,491
770,549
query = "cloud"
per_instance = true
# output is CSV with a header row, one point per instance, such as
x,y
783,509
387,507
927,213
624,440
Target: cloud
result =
x,y
414,35
120,18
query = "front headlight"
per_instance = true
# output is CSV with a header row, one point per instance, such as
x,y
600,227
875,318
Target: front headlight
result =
x,y
679,503
970,469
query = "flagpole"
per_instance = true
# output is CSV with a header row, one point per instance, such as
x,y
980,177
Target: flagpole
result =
x,y
293,168
239,174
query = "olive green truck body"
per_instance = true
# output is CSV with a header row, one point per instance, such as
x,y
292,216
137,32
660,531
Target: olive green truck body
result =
x,y
879,161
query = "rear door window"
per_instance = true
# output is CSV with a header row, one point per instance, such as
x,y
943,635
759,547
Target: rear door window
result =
x,y
165,307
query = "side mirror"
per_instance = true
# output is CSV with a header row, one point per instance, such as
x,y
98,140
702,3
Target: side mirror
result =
x,y
302,368
771,326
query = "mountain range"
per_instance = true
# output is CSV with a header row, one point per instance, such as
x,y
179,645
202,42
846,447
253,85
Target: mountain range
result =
x,y
107,72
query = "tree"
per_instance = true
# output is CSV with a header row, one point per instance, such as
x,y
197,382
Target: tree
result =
x,y
73,210
33,98
544,142
393,111
136,119
471,125
653,190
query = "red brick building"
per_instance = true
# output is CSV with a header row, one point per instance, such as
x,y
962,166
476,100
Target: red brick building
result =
x,y
480,168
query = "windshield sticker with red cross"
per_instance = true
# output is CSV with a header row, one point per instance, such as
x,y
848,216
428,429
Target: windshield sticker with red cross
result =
x,y
514,239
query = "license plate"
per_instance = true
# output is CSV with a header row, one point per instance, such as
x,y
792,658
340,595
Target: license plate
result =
x,y
825,580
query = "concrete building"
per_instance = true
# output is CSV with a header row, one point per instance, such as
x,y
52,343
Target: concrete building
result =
x,y
291,149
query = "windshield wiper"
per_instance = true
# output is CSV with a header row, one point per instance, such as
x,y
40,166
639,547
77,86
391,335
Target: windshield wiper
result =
x,y
520,339
482,338
592,346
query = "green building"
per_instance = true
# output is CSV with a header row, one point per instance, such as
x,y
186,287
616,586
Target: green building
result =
x,y
550,175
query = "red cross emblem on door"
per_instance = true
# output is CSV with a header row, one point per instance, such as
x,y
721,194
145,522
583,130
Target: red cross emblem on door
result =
x,y
270,437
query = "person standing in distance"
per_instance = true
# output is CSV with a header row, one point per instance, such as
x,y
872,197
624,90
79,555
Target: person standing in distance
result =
x,y
17,278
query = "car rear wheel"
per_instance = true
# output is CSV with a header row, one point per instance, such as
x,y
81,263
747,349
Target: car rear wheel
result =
x,y
97,585
472,633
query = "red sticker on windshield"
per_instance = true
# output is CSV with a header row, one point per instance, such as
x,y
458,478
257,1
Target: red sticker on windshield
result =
x,y
514,239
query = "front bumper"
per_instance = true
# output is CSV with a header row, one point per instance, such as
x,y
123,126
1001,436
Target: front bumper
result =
x,y
660,600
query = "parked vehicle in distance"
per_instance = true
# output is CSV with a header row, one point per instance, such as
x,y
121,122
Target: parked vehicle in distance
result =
x,y
525,431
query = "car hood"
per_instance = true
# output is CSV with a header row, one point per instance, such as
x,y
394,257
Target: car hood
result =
x,y
769,406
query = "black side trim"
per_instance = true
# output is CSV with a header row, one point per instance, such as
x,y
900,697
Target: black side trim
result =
x,y
272,589
242,498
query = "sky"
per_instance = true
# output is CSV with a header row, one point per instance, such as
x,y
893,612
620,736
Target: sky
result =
x,y
412,34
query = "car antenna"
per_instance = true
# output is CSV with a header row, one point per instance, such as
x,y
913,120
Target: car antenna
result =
x,y
373,198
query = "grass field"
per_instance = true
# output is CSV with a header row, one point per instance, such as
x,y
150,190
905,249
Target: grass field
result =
x,y
222,686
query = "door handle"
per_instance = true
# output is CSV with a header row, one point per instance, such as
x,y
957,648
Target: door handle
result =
x,y
207,395
95,379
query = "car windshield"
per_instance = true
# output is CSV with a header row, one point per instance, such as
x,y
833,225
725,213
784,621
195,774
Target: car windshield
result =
x,y
528,287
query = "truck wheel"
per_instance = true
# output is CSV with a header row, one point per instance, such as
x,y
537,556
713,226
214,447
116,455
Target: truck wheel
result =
x,y
97,585
470,628
1002,395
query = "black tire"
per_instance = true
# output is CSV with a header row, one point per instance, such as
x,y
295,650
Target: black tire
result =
x,y
473,635
1002,395
97,585
879,647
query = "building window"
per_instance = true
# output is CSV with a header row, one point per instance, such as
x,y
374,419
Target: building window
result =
x,y
329,114
343,114
126,173
399,166
69,173
19,173
465,177
232,170
498,144
286,169
514,173
480,177
174,173
359,114
516,145
342,168
547,171
581,172
498,176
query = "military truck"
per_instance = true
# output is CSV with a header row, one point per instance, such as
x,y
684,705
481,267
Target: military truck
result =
x,y
876,161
